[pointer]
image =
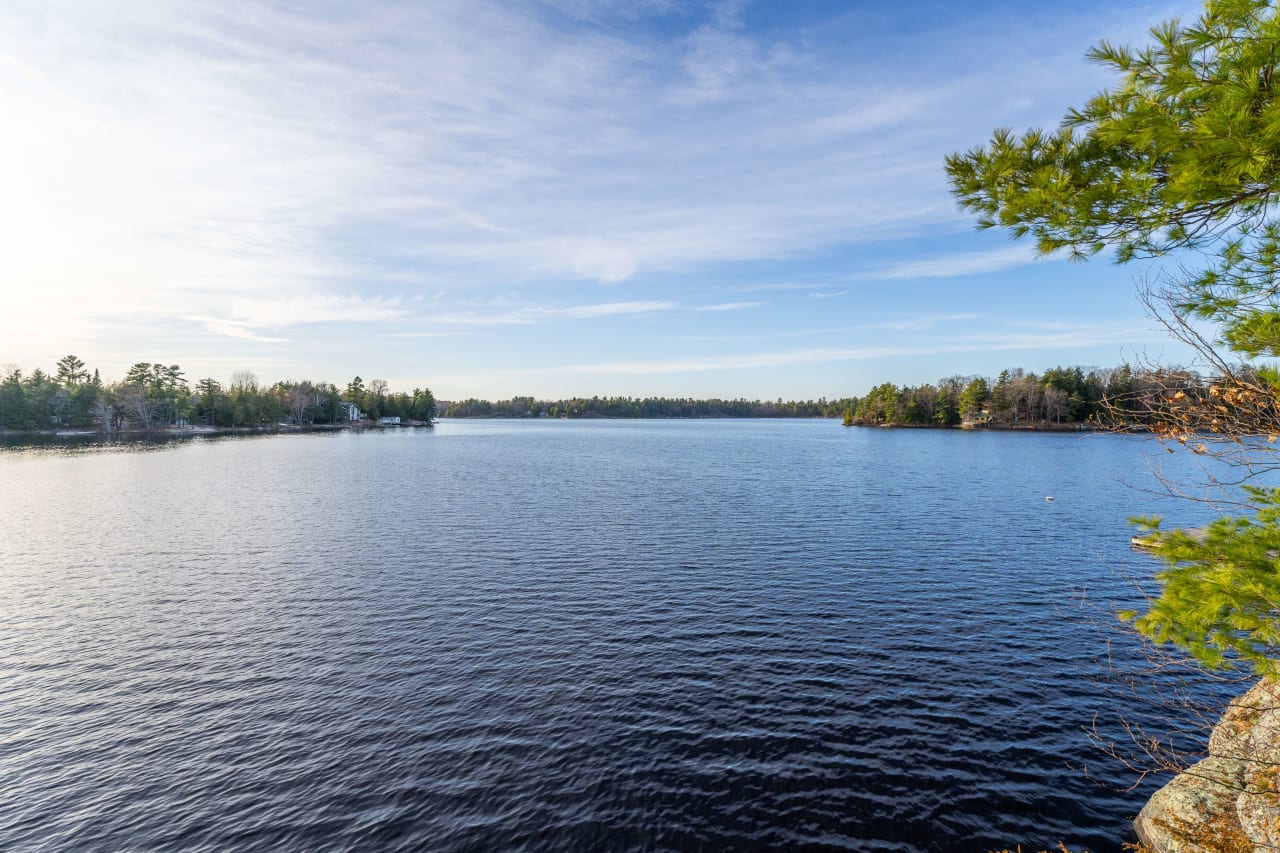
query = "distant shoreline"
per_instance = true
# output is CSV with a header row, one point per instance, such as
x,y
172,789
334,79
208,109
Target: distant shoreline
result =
x,y
595,417
193,431
289,429
1000,427
994,427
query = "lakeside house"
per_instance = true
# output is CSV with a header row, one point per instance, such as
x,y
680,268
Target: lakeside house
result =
x,y
353,412
389,421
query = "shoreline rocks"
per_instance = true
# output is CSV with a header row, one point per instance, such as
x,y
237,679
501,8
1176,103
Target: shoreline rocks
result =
x,y
1229,801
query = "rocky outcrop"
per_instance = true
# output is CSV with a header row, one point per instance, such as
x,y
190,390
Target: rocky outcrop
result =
x,y
1230,801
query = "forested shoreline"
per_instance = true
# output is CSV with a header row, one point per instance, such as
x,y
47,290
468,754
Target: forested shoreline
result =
x,y
154,396
647,407
1124,397
1061,395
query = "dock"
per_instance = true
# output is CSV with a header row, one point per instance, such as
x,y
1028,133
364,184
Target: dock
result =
x,y
1149,543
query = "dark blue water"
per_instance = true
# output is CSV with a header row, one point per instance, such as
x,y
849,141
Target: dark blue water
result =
x,y
564,635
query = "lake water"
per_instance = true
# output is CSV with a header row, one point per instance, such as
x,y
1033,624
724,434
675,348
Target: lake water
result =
x,y
563,635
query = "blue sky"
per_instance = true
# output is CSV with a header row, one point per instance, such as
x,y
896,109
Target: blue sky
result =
x,y
549,198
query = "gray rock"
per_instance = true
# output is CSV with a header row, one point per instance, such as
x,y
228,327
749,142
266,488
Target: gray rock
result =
x,y
1230,801
1258,805
1192,808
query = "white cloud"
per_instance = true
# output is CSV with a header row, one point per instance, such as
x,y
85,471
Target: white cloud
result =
x,y
1080,337
604,263
257,166
914,323
612,309
257,138
299,310
521,317
780,286
720,61
531,314
729,306
954,265
922,322
426,334
734,362
233,329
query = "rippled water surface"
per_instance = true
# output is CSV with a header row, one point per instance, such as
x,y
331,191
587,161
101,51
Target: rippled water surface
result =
x,y
561,635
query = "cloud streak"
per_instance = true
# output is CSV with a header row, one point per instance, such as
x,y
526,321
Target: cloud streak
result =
x,y
611,309
955,265
830,355
729,306
232,329
301,310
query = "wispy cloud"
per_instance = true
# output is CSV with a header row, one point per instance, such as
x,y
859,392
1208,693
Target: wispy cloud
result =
x,y
950,266
747,361
913,323
263,166
233,329
729,306
781,287
299,310
922,322
248,317
262,138
426,334
527,315
611,309
1084,337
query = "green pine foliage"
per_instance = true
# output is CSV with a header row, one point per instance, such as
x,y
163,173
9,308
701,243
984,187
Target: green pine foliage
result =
x,y
1181,151
1220,590
1181,156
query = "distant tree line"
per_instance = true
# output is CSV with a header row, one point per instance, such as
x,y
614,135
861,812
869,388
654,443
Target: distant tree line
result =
x,y
646,407
154,395
1119,397
1059,395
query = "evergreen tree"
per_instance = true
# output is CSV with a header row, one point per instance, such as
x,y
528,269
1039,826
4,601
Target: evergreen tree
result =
x,y
974,398
1220,588
13,401
71,371
1181,154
